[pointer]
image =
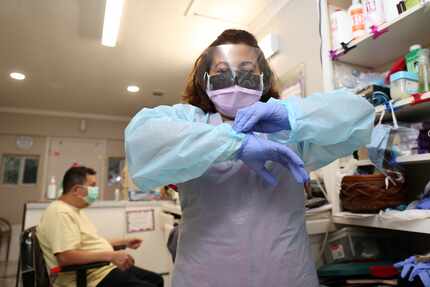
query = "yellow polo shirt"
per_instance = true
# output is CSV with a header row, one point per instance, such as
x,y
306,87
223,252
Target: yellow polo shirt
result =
x,y
64,227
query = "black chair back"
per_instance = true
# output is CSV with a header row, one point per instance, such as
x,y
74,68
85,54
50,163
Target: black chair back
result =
x,y
32,263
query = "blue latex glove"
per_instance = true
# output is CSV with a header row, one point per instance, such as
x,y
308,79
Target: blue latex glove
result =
x,y
420,268
263,118
424,203
255,152
406,266
425,278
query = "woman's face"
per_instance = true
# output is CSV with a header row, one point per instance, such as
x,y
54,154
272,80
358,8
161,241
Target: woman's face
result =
x,y
235,80
234,58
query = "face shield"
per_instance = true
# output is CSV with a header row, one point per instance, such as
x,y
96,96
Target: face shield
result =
x,y
234,65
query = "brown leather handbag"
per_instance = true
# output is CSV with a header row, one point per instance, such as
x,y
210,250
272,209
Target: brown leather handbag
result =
x,y
371,193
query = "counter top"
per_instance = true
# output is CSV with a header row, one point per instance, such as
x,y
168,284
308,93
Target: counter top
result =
x,y
316,225
109,204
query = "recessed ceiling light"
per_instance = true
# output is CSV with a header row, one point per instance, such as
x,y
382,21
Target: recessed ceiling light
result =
x,y
17,76
133,89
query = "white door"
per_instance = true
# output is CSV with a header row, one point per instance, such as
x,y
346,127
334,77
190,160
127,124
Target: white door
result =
x,y
66,152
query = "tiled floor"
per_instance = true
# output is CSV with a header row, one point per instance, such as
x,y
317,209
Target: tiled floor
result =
x,y
7,274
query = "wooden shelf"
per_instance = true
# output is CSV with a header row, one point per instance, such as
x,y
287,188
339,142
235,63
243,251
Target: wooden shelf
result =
x,y
412,27
397,105
319,226
416,158
373,220
409,111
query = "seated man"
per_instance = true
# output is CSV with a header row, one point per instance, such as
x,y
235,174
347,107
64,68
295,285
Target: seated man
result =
x,y
67,237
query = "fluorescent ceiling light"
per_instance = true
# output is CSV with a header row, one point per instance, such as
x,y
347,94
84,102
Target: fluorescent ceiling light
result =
x,y
112,21
133,89
17,76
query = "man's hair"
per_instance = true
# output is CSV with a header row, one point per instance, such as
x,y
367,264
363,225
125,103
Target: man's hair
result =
x,y
76,176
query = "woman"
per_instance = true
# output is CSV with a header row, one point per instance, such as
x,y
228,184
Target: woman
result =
x,y
241,182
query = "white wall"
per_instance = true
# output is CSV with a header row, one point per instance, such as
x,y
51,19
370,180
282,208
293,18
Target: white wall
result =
x,y
40,128
298,29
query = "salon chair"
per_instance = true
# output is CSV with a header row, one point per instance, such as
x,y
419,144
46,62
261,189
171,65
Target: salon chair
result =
x,y
5,236
32,267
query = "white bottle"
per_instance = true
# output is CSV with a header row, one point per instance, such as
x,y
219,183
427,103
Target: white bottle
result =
x,y
341,27
356,12
52,189
59,192
374,11
117,194
390,10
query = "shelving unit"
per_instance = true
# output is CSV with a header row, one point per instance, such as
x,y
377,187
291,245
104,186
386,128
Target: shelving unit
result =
x,y
411,27
319,226
374,220
416,158
408,102
409,109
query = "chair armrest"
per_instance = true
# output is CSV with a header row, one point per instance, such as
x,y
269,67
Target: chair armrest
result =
x,y
74,268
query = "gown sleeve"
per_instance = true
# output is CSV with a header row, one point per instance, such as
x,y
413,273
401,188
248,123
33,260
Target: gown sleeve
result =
x,y
326,126
174,144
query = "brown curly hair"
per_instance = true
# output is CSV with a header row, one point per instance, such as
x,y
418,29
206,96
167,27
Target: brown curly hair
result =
x,y
195,90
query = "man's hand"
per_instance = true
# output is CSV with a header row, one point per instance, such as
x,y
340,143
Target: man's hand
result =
x,y
122,260
133,243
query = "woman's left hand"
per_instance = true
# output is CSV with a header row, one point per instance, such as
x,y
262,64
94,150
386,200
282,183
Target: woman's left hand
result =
x,y
262,118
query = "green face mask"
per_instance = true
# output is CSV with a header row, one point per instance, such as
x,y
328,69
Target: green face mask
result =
x,y
93,194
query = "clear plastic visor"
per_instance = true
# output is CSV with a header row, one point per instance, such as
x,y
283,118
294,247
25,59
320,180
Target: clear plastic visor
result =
x,y
236,64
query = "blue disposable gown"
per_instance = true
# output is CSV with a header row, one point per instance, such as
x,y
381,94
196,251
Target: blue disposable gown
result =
x,y
237,230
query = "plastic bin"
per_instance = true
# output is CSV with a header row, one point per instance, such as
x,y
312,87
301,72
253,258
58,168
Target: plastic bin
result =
x,y
403,84
351,243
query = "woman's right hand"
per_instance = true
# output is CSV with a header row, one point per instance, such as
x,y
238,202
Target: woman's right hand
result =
x,y
255,152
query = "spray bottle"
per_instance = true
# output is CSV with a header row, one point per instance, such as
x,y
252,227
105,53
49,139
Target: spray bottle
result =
x,y
52,189
356,12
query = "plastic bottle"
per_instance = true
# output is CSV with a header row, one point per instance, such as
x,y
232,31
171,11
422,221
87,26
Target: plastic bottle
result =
x,y
52,189
341,27
374,10
59,192
424,71
390,10
356,12
117,194
412,58
411,3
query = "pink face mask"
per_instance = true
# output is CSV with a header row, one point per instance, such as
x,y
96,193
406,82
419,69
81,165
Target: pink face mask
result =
x,y
229,100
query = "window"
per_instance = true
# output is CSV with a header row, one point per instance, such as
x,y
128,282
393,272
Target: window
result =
x,y
17,169
115,167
